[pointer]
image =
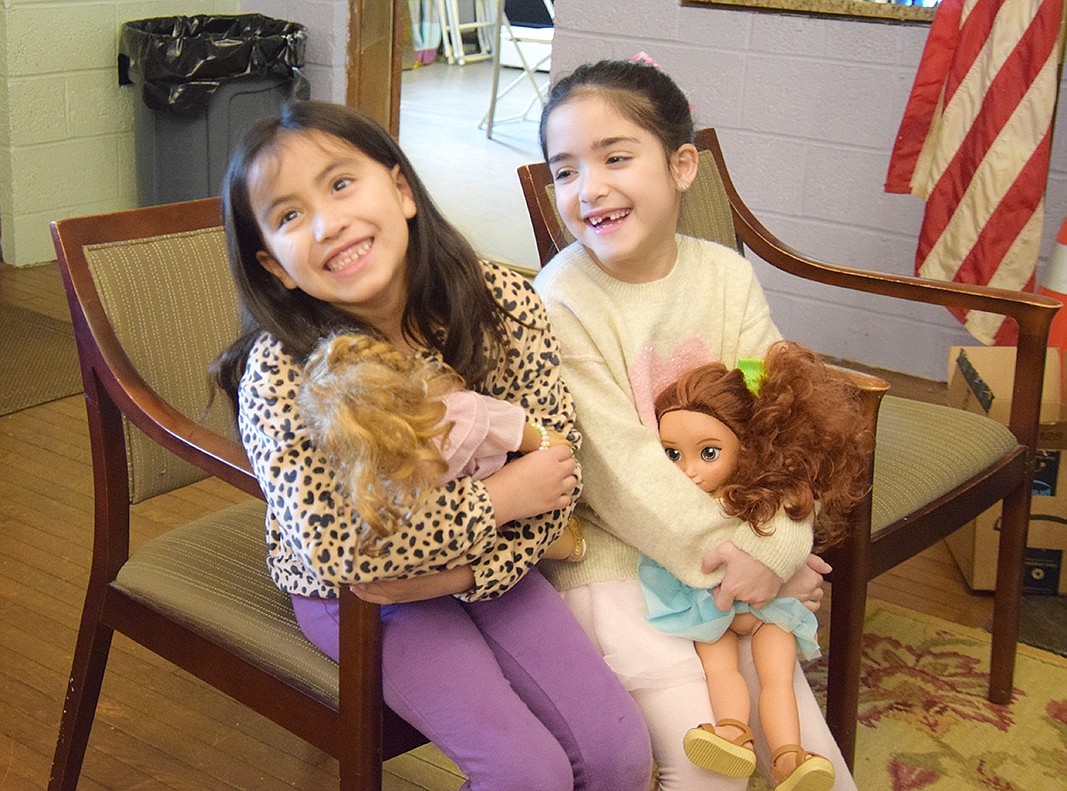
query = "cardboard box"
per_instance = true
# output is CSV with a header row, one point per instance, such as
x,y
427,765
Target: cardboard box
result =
x,y
979,379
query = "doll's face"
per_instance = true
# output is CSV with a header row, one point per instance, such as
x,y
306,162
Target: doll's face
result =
x,y
704,448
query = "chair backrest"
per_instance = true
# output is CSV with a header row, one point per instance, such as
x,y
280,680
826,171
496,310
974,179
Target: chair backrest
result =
x,y
145,284
134,275
705,205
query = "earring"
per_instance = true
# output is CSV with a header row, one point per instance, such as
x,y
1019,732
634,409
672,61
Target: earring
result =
x,y
683,185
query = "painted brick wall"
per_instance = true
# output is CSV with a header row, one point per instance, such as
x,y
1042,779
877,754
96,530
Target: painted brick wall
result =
x,y
66,126
327,24
807,110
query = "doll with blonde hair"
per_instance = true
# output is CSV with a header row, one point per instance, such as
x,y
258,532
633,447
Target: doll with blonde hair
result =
x,y
394,425
782,433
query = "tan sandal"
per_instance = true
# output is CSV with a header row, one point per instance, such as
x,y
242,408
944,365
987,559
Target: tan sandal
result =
x,y
812,773
708,750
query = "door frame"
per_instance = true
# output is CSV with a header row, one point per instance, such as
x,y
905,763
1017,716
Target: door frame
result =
x,y
378,31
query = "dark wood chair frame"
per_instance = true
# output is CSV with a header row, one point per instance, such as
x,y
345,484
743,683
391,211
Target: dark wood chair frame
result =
x,y
864,556
361,732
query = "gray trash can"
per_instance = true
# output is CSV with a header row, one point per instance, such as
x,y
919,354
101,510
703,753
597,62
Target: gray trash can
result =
x,y
202,80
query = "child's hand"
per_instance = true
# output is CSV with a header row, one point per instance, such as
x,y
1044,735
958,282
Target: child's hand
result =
x,y
806,584
531,439
533,484
425,586
745,578
557,440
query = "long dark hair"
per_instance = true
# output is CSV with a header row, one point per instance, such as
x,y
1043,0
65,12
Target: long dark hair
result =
x,y
449,307
639,91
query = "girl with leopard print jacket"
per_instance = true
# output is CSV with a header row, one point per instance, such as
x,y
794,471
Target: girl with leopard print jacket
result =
x,y
330,230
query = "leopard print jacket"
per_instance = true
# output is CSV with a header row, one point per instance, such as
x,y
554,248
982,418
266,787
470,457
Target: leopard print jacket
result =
x,y
315,540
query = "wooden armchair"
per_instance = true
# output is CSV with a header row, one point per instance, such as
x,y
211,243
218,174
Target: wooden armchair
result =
x,y
934,468
152,303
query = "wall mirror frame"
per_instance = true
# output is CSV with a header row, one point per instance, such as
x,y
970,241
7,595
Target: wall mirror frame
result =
x,y
857,9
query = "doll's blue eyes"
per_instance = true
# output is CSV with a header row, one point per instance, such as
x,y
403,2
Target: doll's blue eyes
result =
x,y
710,453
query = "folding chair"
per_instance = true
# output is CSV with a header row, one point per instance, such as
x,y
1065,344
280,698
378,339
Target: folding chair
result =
x,y
537,36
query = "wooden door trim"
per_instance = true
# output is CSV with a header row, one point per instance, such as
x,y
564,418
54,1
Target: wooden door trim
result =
x,y
374,59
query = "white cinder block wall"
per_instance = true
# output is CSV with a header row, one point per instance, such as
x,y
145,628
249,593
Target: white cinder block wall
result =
x,y
327,51
807,110
66,127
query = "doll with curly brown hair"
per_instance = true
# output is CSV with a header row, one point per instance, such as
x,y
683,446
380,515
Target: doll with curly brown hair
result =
x,y
784,433
394,425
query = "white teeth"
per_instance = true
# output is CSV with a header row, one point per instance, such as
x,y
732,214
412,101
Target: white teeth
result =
x,y
615,215
354,253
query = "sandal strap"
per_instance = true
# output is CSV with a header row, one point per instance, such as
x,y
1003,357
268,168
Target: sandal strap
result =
x,y
789,748
745,737
803,754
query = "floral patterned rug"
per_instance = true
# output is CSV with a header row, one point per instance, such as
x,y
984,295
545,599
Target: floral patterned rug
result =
x,y
924,719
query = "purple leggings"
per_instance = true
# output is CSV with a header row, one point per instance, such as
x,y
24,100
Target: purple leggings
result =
x,y
510,689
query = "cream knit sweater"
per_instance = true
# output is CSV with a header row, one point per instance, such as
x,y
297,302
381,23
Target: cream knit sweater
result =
x,y
621,343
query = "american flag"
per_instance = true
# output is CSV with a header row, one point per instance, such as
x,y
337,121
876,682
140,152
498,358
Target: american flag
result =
x,y
975,142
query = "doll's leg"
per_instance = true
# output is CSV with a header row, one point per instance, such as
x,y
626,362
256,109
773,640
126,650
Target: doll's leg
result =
x,y
774,655
661,671
727,746
815,734
726,685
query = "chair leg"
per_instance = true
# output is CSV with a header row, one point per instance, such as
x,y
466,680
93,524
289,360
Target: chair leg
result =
x,y
1007,597
847,610
79,705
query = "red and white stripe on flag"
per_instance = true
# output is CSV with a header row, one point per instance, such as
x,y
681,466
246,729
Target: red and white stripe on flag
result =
x,y
975,142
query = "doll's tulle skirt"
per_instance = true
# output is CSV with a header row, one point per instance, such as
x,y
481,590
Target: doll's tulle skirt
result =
x,y
678,609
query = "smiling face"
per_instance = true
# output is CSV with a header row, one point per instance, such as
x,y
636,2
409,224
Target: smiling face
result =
x,y
701,445
617,190
334,224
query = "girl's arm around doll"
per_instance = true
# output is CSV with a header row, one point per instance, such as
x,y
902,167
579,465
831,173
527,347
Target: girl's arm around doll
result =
x,y
532,381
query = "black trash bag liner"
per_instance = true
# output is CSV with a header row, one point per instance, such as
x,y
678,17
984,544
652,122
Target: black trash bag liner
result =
x,y
182,60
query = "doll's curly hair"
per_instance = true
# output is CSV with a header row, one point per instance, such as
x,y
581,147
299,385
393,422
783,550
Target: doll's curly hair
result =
x,y
377,415
802,437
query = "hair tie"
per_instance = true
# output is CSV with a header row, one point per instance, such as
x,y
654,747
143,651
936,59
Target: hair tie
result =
x,y
752,370
644,57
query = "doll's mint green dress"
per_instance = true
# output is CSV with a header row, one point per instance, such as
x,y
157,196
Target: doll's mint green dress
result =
x,y
677,608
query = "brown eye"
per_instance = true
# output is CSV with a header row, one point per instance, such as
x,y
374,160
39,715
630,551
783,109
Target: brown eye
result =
x,y
710,453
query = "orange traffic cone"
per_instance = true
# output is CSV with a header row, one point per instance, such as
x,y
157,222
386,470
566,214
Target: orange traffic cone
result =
x,y
1054,284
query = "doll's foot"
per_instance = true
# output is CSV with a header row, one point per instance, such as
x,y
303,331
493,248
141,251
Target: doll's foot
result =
x,y
730,758
574,527
804,771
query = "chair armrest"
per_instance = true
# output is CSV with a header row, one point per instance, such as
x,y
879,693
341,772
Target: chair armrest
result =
x,y
1033,313
217,455
871,389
